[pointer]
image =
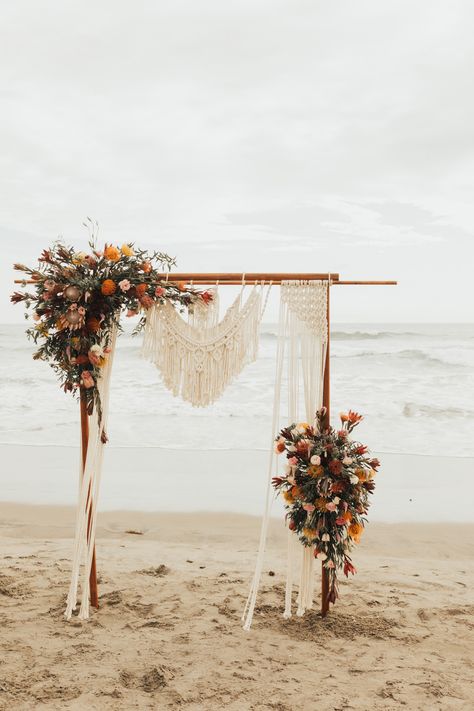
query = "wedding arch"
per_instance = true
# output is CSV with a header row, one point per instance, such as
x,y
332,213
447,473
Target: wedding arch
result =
x,y
77,302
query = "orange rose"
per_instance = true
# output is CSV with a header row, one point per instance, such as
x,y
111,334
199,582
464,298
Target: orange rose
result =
x,y
141,289
108,287
112,253
146,266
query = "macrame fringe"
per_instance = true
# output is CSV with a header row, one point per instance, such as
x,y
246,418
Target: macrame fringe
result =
x,y
89,484
303,324
198,363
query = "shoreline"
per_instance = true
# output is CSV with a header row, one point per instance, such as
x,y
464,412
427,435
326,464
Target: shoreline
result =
x,y
409,488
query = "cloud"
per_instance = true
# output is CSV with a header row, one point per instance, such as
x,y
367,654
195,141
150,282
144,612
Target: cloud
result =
x,y
226,132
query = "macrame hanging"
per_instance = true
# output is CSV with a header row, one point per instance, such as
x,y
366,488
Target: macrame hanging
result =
x,y
303,329
89,484
200,357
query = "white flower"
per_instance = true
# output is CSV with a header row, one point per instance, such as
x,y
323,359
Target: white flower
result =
x,y
97,350
291,448
347,460
316,460
354,479
321,556
336,499
325,537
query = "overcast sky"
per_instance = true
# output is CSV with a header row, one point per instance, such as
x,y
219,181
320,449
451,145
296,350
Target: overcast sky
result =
x,y
251,135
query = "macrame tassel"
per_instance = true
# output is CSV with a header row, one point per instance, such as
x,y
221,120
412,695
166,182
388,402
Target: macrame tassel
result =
x,y
199,363
89,485
289,574
303,324
305,595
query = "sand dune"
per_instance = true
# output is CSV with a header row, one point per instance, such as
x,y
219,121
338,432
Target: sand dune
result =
x,y
168,634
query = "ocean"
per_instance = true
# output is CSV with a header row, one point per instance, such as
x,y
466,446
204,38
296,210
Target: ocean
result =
x,y
414,384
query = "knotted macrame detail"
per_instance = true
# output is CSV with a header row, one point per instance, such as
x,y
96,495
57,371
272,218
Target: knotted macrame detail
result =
x,y
199,362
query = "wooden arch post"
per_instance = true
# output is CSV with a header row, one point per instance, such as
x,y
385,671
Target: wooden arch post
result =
x,y
327,421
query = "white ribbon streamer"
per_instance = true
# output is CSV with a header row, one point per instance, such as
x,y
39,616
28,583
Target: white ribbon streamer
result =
x,y
303,323
89,485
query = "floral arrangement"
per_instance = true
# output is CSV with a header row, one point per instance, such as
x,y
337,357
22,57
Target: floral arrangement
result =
x,y
326,488
77,298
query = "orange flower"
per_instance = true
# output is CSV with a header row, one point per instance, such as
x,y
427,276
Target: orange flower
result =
x,y
355,531
315,471
361,474
141,288
288,497
146,266
354,417
320,504
146,301
296,492
108,287
93,324
112,253
182,285
310,533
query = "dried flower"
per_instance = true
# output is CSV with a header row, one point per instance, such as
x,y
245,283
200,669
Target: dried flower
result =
x,y
108,287
93,324
146,301
127,250
124,285
87,381
112,253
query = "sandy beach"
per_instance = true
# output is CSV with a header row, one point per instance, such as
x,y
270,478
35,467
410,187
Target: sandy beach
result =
x,y
168,633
